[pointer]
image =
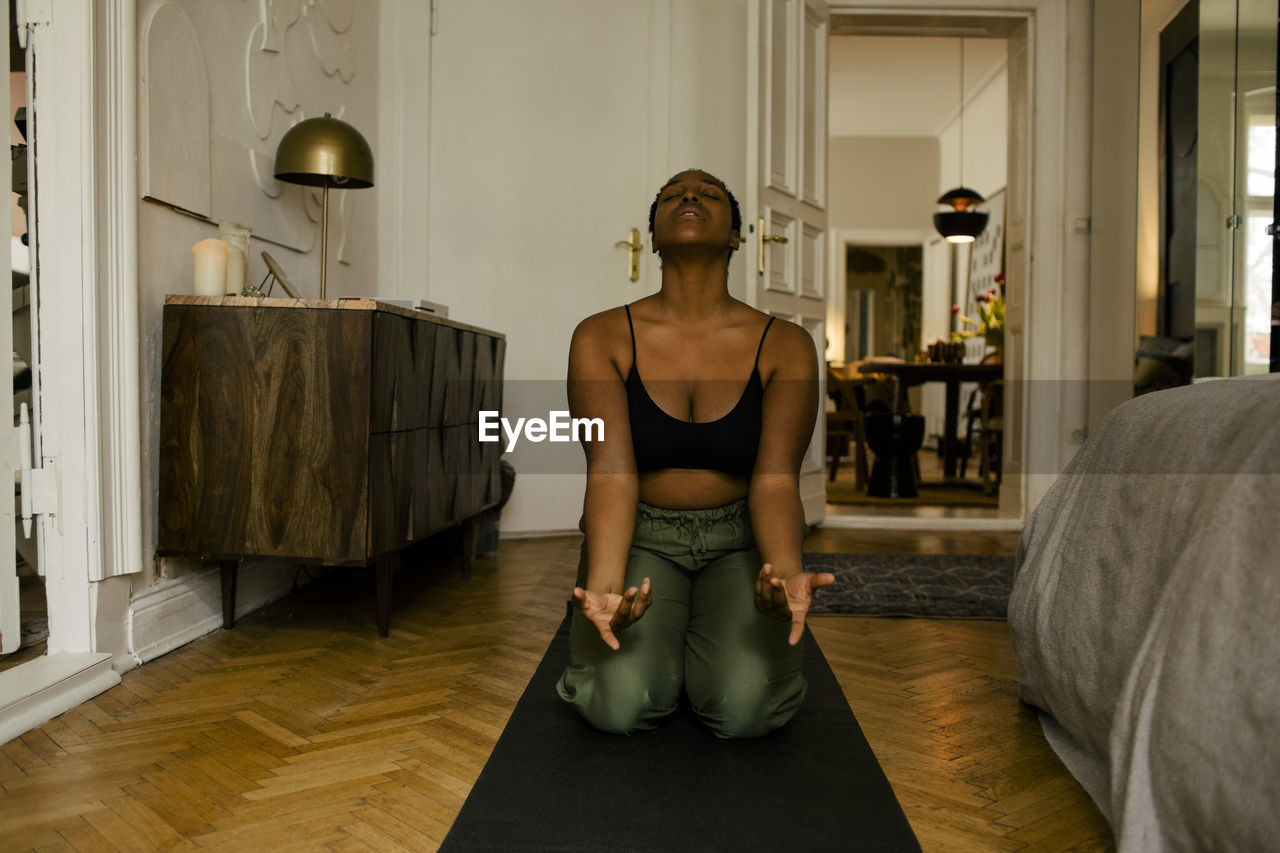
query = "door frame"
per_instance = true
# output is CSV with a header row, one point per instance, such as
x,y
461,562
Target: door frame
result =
x,y
87,288
1053,415
84,207
838,242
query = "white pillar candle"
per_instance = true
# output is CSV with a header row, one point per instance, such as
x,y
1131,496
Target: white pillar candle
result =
x,y
211,267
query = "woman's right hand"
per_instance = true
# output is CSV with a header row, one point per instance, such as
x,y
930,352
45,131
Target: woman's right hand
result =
x,y
610,612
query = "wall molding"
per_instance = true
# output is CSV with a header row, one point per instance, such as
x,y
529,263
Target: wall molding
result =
x,y
906,522
175,612
39,690
838,240
116,230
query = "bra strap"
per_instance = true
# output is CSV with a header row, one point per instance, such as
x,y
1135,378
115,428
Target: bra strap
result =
x,y
758,349
627,308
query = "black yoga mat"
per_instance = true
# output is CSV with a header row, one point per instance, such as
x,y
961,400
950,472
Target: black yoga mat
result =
x,y
555,783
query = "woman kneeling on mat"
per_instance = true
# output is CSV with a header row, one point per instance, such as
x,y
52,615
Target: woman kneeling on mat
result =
x,y
691,573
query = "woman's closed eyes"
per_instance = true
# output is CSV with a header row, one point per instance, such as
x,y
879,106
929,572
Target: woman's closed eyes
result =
x,y
707,191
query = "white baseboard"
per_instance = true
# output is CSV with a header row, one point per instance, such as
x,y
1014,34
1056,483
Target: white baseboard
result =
x,y
41,689
537,534
912,522
175,612
814,503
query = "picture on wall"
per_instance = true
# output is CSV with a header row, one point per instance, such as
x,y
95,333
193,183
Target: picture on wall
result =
x,y
986,256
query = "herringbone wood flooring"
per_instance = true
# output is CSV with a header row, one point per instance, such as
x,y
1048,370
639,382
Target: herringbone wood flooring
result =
x,y
301,730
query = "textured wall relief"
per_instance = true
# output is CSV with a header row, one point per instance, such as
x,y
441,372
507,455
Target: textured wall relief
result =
x,y
269,88
339,13
174,107
222,83
336,54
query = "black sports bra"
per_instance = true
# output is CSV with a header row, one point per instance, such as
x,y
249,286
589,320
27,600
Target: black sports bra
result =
x,y
726,444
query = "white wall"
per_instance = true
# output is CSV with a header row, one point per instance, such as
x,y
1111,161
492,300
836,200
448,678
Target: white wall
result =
x,y
540,159
544,151
1114,210
986,139
707,122
882,182
403,192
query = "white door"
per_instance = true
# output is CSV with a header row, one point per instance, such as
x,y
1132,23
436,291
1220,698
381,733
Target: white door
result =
x,y
10,625
790,221
540,164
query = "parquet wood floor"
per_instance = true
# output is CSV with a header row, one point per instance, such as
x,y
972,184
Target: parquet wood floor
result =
x,y
301,730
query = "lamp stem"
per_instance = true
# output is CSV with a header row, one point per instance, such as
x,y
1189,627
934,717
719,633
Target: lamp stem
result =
x,y
324,237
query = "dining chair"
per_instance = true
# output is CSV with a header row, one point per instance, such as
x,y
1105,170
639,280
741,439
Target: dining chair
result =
x,y
991,437
846,425
973,427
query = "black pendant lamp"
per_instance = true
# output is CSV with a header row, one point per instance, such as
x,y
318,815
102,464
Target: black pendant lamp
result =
x,y
963,222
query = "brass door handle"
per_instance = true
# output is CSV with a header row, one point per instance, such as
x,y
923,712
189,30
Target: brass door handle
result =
x,y
764,238
633,254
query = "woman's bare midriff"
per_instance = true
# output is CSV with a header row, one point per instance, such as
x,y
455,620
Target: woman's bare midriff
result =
x,y
686,488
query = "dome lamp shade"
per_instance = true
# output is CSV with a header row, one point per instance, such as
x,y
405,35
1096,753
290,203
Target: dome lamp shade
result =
x,y
960,226
963,222
324,151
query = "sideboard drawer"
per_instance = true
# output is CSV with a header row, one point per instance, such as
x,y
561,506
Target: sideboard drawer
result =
x,y
263,438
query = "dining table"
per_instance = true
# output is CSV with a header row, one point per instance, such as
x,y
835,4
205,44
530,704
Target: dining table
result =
x,y
952,375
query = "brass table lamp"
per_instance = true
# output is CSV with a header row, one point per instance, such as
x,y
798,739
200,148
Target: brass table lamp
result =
x,y
324,152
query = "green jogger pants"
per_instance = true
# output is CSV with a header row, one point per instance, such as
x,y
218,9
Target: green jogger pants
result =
x,y
702,633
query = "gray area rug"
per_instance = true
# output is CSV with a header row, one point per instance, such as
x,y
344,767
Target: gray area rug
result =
x,y
956,586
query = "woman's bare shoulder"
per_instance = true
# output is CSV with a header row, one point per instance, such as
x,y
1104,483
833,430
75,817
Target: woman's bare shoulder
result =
x,y
602,327
786,334
603,335
789,347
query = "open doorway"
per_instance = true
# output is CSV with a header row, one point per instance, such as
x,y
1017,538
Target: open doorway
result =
x,y
32,605
887,285
903,129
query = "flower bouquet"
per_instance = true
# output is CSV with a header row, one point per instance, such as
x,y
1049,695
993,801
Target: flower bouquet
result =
x,y
990,323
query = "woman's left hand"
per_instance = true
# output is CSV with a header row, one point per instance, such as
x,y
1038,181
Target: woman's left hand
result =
x,y
788,598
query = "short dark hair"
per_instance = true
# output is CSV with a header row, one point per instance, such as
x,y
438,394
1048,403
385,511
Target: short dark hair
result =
x,y
734,211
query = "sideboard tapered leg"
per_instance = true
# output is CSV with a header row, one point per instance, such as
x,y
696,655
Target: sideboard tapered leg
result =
x,y
468,540
230,570
386,568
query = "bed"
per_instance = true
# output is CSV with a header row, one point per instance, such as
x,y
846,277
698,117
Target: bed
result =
x,y
1146,617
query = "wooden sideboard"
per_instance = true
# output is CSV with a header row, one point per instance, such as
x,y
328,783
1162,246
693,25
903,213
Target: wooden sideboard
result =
x,y
332,432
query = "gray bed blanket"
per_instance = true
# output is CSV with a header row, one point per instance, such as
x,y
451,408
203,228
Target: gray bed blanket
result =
x,y
1146,617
